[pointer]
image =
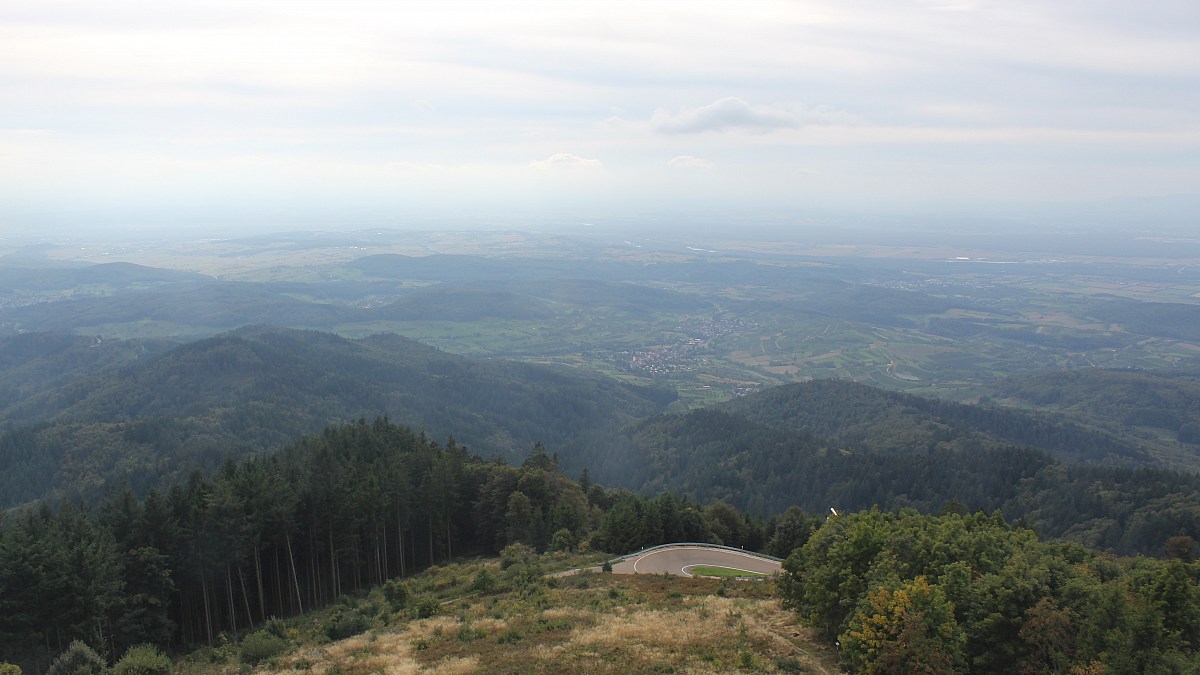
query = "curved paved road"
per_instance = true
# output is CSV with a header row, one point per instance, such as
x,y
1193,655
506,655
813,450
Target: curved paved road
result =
x,y
679,560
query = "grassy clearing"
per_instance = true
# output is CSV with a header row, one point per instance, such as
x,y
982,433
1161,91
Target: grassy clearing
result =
x,y
526,623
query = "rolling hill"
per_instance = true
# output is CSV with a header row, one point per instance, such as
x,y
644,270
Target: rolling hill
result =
x,y
257,387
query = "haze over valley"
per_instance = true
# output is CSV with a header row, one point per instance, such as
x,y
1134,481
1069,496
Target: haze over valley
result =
x,y
370,337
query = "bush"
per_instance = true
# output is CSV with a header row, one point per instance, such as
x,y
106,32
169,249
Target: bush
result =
x,y
484,581
7,668
427,607
511,636
79,659
346,623
515,553
143,660
397,594
276,627
261,646
562,540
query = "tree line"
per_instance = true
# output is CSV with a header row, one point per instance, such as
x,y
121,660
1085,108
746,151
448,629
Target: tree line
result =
x,y
905,592
276,535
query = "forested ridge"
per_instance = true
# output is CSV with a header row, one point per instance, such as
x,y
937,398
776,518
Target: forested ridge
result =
x,y
863,418
1166,402
152,419
768,451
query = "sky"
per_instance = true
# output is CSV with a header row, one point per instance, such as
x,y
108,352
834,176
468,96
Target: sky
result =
x,y
257,115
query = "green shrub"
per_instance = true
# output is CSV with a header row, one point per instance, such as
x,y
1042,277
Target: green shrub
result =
x,y
790,664
511,636
79,659
397,594
345,623
515,553
484,581
261,646
7,668
468,633
143,660
562,540
427,607
276,627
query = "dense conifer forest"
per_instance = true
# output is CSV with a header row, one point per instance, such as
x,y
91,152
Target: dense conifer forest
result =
x,y
368,503
273,536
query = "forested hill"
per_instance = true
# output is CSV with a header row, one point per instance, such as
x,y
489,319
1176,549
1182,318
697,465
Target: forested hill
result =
x,y
862,418
1162,409
258,387
837,444
34,363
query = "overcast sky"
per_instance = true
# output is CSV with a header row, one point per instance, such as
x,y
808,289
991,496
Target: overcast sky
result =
x,y
257,114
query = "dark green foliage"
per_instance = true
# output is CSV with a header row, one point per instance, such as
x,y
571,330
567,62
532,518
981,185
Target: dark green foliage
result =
x,y
634,523
79,659
1121,402
864,419
318,521
483,582
397,594
344,623
790,531
426,607
970,587
761,455
143,660
261,646
150,422
562,540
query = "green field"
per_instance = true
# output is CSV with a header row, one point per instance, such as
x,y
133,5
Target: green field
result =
x,y
710,328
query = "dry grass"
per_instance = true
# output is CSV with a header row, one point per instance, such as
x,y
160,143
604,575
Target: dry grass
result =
x,y
589,623
595,624
389,653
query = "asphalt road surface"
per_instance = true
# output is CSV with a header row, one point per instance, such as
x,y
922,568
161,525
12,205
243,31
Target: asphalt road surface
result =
x,y
679,561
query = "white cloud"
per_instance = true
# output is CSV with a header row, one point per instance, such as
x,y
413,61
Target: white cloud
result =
x,y
565,160
726,113
689,162
136,101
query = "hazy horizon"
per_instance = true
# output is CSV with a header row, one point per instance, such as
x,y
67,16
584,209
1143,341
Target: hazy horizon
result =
x,y
243,117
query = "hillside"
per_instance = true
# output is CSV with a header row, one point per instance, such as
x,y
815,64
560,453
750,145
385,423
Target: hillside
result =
x,y
256,388
833,444
34,363
355,513
1159,409
863,418
188,308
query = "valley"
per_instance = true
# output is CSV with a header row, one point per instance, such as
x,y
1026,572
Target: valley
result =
x,y
700,391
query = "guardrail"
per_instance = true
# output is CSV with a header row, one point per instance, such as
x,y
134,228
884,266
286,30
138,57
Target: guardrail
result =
x,y
695,544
